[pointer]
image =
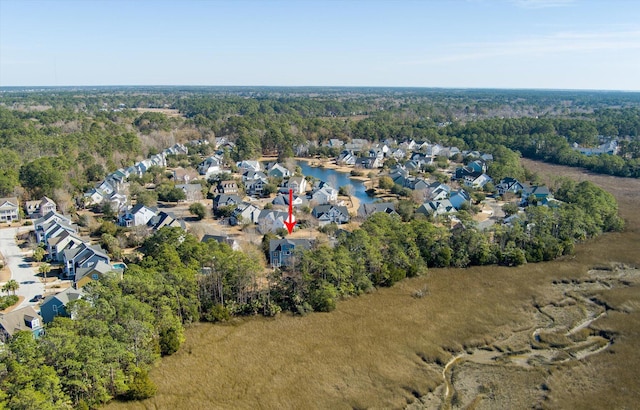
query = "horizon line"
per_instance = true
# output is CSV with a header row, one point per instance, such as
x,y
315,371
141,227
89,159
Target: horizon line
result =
x,y
320,86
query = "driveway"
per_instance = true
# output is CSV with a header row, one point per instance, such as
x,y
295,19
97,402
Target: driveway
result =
x,y
20,265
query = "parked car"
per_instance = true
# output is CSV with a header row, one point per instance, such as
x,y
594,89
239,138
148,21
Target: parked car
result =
x,y
36,298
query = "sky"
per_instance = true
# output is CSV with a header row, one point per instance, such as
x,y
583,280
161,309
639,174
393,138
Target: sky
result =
x,y
538,44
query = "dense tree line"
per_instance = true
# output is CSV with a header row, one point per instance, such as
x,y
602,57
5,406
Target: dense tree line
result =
x,y
122,326
385,250
551,139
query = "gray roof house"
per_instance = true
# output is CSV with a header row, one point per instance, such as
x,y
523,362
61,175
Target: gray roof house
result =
x,y
26,319
365,210
82,256
166,219
245,212
327,214
509,184
192,192
282,251
56,305
436,208
137,216
270,220
223,200
58,244
39,208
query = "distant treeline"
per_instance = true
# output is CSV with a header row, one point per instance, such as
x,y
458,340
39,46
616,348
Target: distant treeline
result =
x,y
76,135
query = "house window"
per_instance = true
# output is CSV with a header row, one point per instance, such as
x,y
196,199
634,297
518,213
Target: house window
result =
x,y
94,276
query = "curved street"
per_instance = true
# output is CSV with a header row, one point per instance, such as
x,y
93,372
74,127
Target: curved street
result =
x,y
19,264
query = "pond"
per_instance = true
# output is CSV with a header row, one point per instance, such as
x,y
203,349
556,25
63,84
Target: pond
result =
x,y
337,179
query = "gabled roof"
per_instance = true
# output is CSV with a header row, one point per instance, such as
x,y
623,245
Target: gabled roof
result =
x,y
16,320
165,219
276,244
9,203
367,209
64,297
101,267
319,210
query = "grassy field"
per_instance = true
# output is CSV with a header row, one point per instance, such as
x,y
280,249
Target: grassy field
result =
x,y
388,348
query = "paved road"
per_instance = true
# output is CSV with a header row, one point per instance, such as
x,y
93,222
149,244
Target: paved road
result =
x,y
20,266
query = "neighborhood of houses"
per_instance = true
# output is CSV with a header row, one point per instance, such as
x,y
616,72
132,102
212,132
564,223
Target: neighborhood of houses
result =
x,y
241,198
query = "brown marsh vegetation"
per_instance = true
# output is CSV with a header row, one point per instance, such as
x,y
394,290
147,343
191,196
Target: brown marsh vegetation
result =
x,y
388,349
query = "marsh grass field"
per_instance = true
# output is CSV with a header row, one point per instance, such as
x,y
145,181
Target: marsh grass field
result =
x,y
389,348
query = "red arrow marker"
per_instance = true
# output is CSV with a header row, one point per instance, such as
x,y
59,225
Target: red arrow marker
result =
x,y
290,222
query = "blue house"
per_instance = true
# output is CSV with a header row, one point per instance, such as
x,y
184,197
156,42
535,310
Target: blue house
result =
x,y
24,319
281,251
56,305
459,197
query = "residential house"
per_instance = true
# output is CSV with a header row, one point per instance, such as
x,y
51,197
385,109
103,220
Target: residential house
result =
x,y
535,193
346,157
435,208
270,220
476,180
82,256
94,196
278,171
39,208
610,148
399,175
225,200
282,200
398,154
24,319
419,184
210,166
139,215
43,225
250,166
56,305
224,143
459,198
228,187
297,184
245,213
437,191
166,219
233,243
177,149
118,179
324,195
254,182
184,175
283,251
94,272
56,245
365,210
327,214
9,209
192,192
509,184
